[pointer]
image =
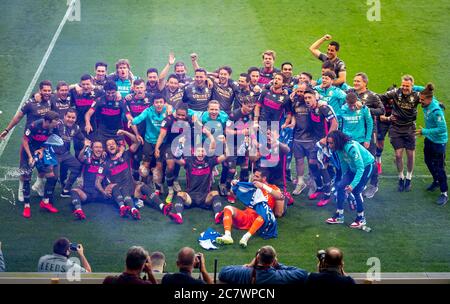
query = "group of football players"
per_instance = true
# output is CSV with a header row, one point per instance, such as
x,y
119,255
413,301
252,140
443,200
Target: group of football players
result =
x,y
119,138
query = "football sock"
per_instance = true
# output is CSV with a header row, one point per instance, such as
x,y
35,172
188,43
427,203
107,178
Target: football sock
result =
x,y
117,196
76,199
227,219
178,204
259,221
409,175
217,204
26,191
50,187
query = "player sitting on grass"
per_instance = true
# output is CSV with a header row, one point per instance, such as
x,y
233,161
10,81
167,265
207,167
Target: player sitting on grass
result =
x,y
198,193
117,171
260,199
91,158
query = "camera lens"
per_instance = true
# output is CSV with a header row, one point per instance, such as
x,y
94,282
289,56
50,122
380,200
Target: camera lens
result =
x,y
321,254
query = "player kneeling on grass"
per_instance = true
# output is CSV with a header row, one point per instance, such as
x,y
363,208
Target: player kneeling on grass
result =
x,y
117,170
356,167
261,199
198,193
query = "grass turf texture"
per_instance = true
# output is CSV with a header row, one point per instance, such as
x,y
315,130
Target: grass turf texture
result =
x,y
410,38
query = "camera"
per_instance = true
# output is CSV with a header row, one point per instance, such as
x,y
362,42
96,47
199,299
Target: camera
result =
x,y
198,261
73,247
321,255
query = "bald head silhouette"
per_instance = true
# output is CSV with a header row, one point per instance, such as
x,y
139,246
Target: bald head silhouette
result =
x,y
333,257
186,257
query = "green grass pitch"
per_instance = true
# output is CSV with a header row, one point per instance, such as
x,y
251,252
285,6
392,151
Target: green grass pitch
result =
x,y
410,232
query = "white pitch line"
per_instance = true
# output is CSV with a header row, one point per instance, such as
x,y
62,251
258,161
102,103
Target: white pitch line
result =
x,y
8,179
39,71
414,176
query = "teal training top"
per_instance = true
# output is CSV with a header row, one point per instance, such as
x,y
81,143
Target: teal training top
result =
x,y
153,122
435,126
355,158
357,124
123,86
334,96
215,126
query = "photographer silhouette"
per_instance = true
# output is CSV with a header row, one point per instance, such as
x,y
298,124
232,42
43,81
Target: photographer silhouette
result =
x,y
330,269
263,269
187,260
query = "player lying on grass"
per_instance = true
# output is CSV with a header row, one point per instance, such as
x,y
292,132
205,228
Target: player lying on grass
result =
x,y
261,199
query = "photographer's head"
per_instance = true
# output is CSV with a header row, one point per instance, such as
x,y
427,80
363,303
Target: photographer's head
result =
x,y
62,247
186,259
331,259
136,259
158,260
266,256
